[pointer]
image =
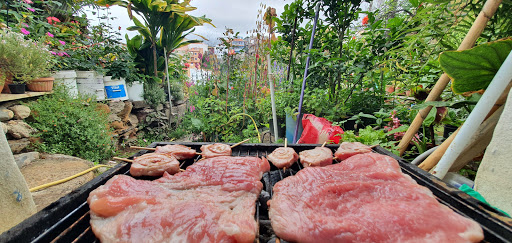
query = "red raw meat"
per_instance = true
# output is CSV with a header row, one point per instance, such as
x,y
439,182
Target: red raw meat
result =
x,y
153,164
181,152
319,156
214,150
346,150
219,207
283,157
363,199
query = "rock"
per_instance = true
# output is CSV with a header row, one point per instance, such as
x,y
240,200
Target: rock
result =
x,y
141,114
139,104
17,146
4,128
125,113
133,120
493,176
20,111
6,114
19,129
103,107
113,118
25,158
159,107
116,106
117,125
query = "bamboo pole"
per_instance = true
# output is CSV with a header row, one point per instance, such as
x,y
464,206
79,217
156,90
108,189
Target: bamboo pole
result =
x,y
476,30
434,158
143,148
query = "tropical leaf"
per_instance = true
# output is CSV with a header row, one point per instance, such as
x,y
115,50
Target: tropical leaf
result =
x,y
474,69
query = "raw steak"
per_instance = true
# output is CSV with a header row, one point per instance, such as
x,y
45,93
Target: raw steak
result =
x,y
346,150
319,156
181,152
214,150
212,201
153,164
283,157
365,198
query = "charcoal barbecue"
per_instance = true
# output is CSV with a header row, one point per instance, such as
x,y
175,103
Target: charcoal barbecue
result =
x,y
67,220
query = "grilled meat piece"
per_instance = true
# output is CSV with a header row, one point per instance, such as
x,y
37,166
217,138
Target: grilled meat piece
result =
x,y
283,157
214,150
319,156
212,201
181,152
365,198
154,164
347,150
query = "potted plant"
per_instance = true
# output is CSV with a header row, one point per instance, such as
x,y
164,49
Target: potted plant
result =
x,y
25,60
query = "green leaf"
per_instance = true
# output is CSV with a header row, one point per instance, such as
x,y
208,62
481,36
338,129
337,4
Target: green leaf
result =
x,y
196,123
402,128
431,117
474,69
451,104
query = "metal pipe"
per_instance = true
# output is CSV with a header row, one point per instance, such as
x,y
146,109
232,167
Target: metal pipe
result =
x,y
476,117
272,99
299,116
168,85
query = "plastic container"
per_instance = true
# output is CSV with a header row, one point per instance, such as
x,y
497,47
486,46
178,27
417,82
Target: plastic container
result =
x,y
68,79
457,180
90,84
136,91
290,128
116,89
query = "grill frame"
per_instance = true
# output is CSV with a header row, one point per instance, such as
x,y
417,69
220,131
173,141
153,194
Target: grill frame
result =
x,y
67,219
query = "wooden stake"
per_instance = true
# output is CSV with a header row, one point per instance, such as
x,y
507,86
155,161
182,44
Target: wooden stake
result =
x,y
144,148
323,145
469,41
236,144
123,159
374,146
285,142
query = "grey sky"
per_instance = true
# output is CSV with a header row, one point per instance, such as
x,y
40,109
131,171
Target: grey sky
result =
x,y
240,15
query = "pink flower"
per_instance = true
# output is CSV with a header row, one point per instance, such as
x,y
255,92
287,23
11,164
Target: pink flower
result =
x,y
26,25
195,92
192,108
52,20
31,9
49,34
54,53
24,31
27,1
65,54
60,54
62,42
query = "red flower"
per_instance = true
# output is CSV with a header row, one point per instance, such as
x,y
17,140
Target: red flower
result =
x,y
119,27
52,20
365,20
187,65
231,52
107,6
257,56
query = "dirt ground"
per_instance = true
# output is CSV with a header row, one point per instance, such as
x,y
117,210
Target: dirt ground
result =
x,y
52,168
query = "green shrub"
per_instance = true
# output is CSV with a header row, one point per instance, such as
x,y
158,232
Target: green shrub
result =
x,y
72,126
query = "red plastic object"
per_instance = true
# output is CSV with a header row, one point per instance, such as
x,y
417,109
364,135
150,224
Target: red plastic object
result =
x,y
318,130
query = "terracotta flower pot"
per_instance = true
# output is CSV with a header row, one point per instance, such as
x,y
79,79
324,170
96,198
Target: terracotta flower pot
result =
x,y
41,84
8,80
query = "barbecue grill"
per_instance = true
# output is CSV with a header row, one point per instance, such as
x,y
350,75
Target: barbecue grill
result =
x,y
67,220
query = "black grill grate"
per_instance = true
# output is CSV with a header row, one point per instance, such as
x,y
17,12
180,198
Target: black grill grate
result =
x,y
67,220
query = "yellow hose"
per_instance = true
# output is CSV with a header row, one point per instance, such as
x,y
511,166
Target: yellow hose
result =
x,y
66,179
255,126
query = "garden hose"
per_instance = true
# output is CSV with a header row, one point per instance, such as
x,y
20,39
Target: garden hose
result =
x,y
66,179
255,126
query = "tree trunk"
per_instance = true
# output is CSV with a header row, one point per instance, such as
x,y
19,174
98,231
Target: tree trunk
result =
x,y
154,60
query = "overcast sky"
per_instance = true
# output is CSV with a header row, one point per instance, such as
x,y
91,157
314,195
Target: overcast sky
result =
x,y
240,15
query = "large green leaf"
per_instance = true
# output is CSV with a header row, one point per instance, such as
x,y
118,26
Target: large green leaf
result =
x,y
474,69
